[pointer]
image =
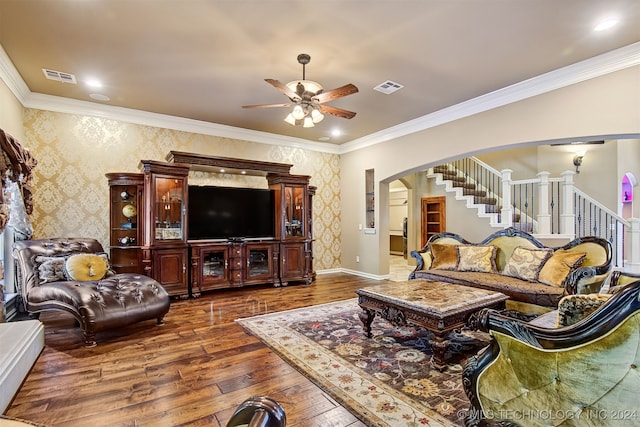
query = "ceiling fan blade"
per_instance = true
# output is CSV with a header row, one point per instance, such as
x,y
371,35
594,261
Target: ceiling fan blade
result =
x,y
283,88
335,111
336,93
288,104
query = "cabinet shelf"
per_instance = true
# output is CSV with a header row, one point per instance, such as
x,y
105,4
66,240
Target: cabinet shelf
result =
x,y
125,258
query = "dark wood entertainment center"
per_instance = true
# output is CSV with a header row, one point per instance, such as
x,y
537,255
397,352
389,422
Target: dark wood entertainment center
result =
x,y
148,228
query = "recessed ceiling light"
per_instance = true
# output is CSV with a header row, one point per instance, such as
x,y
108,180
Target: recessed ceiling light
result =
x,y
605,24
94,83
336,132
222,171
100,97
324,138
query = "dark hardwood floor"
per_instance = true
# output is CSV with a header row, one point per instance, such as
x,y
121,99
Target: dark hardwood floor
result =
x,y
192,371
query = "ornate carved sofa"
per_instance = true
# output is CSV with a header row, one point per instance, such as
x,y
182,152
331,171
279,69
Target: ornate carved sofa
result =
x,y
73,275
517,264
585,373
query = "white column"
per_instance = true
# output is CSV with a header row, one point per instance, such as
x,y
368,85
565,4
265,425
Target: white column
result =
x,y
506,213
567,214
634,245
544,218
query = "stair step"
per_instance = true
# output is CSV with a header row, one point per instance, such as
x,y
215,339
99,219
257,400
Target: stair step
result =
x,y
442,169
452,176
464,185
473,192
492,209
485,200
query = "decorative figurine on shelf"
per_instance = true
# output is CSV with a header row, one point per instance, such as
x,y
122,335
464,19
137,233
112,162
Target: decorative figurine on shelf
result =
x,y
129,211
626,195
127,240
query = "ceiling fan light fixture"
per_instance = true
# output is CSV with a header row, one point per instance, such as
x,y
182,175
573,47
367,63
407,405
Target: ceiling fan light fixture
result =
x,y
309,86
316,116
308,122
307,98
298,112
290,119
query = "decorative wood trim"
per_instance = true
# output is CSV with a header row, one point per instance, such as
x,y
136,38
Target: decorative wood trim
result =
x,y
231,165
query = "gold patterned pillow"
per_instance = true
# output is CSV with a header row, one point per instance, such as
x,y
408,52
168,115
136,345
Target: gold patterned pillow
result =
x,y
445,257
477,258
84,267
525,263
557,268
574,308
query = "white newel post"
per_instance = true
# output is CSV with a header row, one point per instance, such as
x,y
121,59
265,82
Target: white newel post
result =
x,y
506,213
544,218
567,213
634,245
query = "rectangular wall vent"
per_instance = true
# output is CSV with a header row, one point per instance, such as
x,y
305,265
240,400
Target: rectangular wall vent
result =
x,y
59,76
388,87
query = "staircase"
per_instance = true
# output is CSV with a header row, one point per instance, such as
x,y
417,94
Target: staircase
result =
x,y
477,196
544,206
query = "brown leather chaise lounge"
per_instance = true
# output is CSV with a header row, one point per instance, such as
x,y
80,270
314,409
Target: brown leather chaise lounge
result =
x,y
73,275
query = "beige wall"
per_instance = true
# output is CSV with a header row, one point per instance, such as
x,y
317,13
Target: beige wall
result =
x,y
523,161
580,110
75,152
11,114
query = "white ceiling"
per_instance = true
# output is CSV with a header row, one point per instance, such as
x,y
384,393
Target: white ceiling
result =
x,y
205,59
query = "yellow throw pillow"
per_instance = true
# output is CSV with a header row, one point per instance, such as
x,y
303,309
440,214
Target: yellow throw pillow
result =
x,y
557,268
477,258
445,257
525,263
84,267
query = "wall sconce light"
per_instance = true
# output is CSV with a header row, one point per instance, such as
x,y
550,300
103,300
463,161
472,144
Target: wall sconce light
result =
x,y
577,160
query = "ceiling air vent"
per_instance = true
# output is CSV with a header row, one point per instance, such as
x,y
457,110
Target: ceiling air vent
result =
x,y
59,76
388,87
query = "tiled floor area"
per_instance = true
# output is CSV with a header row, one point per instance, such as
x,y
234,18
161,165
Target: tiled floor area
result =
x,y
398,268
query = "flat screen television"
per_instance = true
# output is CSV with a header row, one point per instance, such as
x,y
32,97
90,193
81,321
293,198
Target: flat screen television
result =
x,y
230,213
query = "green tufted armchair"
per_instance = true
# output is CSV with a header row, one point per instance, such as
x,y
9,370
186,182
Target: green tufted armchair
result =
x,y
585,374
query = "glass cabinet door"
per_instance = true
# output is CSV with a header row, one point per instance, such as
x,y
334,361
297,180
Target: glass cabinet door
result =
x,y
214,265
124,215
258,262
294,211
169,209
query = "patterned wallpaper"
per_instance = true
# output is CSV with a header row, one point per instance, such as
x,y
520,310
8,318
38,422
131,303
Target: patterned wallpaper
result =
x,y
75,152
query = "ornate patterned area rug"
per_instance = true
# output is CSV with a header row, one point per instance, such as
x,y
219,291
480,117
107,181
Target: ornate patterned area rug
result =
x,y
387,380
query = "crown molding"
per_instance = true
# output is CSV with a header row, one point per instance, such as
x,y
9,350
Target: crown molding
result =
x,y
128,115
597,66
12,78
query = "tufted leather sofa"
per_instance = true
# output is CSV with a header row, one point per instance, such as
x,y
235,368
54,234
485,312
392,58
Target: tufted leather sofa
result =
x,y
578,375
112,302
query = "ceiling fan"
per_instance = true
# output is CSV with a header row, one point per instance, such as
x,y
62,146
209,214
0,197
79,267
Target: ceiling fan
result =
x,y
308,98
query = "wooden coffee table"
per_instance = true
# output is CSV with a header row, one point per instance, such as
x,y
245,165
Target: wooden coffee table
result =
x,y
436,306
